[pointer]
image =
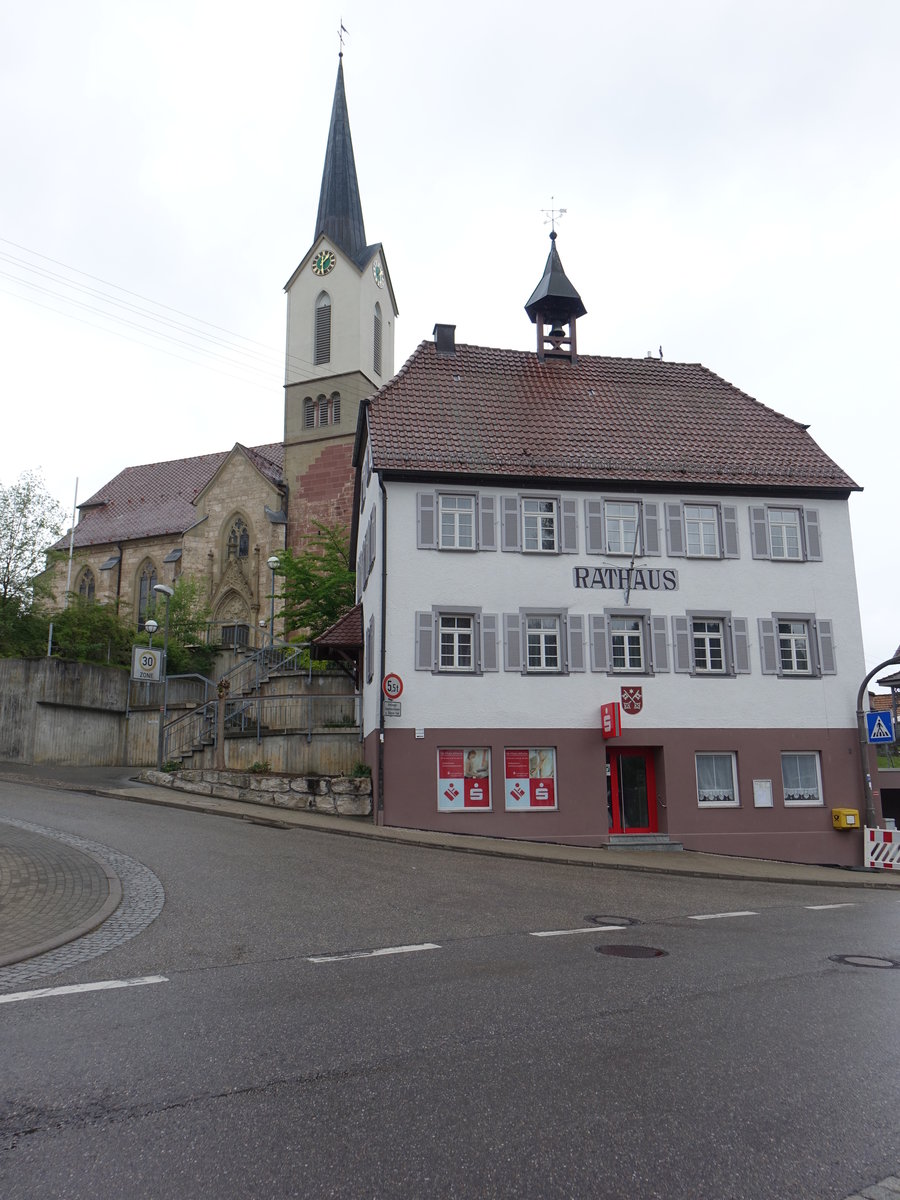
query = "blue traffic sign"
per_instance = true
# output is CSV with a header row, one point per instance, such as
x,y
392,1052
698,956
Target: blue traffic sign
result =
x,y
880,726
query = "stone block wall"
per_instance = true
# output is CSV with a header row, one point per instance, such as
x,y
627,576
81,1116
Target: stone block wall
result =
x,y
338,795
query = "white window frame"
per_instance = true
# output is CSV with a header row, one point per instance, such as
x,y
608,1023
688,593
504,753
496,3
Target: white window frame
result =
x,y
463,624
631,539
623,639
706,637
799,632
448,503
794,798
540,515
719,794
775,519
543,631
701,520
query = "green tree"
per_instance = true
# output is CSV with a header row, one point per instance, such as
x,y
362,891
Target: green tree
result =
x,y
319,584
91,632
30,521
189,614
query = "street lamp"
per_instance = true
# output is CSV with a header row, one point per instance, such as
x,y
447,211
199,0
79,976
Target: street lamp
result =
x,y
273,565
161,589
151,628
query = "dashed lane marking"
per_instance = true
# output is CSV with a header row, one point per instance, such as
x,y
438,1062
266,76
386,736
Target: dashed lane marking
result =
x,y
717,916
103,986
566,932
326,958
819,907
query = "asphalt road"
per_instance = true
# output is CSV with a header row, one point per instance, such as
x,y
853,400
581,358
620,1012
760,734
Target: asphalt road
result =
x,y
741,1062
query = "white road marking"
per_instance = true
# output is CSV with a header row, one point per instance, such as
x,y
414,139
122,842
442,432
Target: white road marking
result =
x,y
324,958
104,985
818,907
586,929
716,916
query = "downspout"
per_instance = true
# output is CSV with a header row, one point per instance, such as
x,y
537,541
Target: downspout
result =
x,y
378,809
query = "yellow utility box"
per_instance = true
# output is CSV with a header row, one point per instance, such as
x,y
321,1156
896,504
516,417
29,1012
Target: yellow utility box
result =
x,y
845,818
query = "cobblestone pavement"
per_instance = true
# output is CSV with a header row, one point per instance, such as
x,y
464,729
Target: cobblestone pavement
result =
x,y
62,891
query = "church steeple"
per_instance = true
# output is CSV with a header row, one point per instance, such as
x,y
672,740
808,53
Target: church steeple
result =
x,y
556,303
340,211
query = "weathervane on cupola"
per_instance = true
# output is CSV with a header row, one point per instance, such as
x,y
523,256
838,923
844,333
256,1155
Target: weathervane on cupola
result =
x,y
555,303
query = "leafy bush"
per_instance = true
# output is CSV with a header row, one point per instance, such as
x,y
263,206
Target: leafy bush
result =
x,y
260,768
361,770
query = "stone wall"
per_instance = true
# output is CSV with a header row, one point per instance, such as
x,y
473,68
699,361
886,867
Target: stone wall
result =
x,y
339,795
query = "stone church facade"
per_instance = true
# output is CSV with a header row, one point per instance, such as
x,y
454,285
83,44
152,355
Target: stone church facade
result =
x,y
219,517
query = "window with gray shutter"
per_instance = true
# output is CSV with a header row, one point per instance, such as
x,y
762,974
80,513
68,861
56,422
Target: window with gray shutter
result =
x,y
593,526
512,642
768,649
322,352
660,644
309,413
370,539
569,539
651,527
740,634
730,545
426,533
813,538
370,650
674,530
490,650
597,633
424,641
336,408
487,530
825,634
681,644
759,533
509,528
376,340
575,638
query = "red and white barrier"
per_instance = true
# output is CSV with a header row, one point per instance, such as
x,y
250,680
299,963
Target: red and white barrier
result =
x,y
882,848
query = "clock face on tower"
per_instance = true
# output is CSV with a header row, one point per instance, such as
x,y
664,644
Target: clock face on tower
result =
x,y
378,272
323,262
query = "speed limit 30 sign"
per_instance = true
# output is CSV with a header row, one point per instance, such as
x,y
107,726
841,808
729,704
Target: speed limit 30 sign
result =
x,y
392,686
146,665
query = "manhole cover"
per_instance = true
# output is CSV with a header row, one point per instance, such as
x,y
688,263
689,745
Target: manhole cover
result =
x,y
865,960
605,920
632,951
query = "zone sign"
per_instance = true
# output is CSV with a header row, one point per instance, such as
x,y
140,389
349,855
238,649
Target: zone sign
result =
x,y
392,686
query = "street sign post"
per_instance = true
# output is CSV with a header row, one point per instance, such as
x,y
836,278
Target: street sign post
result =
x,y
392,686
146,665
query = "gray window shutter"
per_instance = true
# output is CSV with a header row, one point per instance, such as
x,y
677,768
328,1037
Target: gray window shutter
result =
x,y
729,532
569,527
509,528
512,642
575,636
768,648
740,636
651,527
759,533
660,644
487,533
597,629
424,641
426,538
813,538
489,638
825,637
370,535
593,526
681,643
674,530
370,650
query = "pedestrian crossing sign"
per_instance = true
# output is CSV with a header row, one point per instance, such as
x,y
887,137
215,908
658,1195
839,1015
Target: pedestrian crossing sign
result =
x,y
880,726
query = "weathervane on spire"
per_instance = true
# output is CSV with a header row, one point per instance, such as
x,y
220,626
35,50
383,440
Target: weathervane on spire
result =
x,y
341,32
552,215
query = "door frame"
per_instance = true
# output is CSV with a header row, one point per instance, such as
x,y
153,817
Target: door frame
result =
x,y
615,756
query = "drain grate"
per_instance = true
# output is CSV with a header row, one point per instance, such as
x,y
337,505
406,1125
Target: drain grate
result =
x,y
603,919
632,951
865,960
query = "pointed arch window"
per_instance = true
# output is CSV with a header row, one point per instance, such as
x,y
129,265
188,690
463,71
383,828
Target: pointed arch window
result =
x,y
309,413
376,340
146,584
324,410
322,353
238,544
87,585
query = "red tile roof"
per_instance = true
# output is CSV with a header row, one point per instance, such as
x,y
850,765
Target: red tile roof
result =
x,y
346,633
504,413
157,498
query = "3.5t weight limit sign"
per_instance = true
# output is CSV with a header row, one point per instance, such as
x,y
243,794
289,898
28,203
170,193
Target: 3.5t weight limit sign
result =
x,y
392,686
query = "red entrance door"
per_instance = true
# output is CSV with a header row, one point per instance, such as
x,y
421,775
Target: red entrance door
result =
x,y
631,794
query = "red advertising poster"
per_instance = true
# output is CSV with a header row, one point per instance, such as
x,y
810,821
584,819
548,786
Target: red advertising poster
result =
x,y
464,779
530,778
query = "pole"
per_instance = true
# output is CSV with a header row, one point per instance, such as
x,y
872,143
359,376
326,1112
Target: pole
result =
x,y
71,544
272,615
164,707
868,796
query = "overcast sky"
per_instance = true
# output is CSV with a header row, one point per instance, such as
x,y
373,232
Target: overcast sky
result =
x,y
730,173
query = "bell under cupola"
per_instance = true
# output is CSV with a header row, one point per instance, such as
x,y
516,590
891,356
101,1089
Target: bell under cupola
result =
x,y
554,308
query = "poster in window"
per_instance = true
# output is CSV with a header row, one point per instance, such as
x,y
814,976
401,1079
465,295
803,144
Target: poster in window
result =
x,y
530,779
464,779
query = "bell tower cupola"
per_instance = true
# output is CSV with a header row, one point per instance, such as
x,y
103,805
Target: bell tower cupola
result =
x,y
554,307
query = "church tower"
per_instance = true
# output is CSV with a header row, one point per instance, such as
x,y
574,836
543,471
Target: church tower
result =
x,y
341,314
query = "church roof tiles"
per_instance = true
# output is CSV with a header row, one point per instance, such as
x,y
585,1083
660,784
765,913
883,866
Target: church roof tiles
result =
x,y
504,413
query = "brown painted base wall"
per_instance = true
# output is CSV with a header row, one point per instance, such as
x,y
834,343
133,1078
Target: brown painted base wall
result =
x,y
783,833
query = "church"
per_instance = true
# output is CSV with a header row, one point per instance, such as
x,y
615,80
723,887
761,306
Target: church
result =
x,y
219,517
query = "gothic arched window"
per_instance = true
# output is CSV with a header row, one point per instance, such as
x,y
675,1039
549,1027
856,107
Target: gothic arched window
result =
x,y
238,544
376,341
322,352
87,585
146,584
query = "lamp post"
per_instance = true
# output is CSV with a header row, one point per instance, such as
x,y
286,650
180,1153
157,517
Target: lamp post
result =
x,y
151,628
273,565
161,589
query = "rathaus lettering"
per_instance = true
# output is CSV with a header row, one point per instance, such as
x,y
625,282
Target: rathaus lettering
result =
x,y
634,578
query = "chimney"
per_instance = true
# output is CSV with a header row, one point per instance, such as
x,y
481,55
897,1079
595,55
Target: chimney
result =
x,y
445,339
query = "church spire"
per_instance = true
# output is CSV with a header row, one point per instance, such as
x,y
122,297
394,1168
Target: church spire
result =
x,y
340,212
555,302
